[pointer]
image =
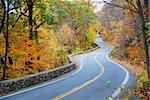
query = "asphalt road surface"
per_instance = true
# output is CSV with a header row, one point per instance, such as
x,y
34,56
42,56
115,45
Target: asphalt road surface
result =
x,y
97,78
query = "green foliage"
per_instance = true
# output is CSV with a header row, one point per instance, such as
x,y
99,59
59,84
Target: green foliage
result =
x,y
48,19
59,29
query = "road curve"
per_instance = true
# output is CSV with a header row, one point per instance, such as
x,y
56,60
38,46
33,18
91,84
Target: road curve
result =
x,y
97,77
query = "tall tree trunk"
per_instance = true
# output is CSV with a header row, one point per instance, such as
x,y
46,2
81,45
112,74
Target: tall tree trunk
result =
x,y
30,8
3,18
6,42
146,48
146,5
143,20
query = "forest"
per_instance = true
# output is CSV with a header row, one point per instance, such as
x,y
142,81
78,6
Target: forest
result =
x,y
38,35
121,27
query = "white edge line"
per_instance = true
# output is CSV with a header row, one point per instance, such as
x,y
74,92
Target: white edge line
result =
x,y
45,84
116,93
48,83
88,82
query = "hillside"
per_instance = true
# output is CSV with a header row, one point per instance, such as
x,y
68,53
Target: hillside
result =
x,y
122,29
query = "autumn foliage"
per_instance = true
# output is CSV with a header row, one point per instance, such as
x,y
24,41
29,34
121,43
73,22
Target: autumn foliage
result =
x,y
122,28
123,33
42,34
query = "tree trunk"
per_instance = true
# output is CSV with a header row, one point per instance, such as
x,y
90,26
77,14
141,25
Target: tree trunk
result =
x,y
30,8
6,42
146,50
143,20
4,14
146,5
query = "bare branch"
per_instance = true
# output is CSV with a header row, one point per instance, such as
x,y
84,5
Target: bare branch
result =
x,y
132,5
13,8
21,14
115,5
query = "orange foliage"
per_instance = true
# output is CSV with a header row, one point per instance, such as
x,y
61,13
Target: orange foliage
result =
x,y
28,56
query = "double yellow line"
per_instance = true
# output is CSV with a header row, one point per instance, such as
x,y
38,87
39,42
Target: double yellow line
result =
x,y
84,84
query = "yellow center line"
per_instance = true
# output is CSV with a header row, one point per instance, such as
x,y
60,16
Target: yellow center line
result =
x,y
82,85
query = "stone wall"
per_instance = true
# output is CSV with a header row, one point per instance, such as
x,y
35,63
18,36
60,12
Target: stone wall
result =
x,y
27,81
16,84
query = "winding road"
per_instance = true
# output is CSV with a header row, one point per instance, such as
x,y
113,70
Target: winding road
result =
x,y
96,78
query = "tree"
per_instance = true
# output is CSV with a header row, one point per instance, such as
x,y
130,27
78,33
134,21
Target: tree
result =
x,y
6,35
30,8
136,7
32,31
79,16
4,15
